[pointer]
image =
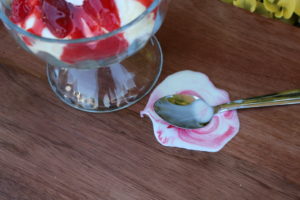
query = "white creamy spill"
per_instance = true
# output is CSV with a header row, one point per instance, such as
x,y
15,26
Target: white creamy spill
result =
x,y
222,128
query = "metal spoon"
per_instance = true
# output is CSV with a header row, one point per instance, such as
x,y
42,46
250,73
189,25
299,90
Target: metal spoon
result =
x,y
191,112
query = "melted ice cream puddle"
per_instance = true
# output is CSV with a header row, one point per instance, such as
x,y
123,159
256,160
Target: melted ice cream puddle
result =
x,y
222,128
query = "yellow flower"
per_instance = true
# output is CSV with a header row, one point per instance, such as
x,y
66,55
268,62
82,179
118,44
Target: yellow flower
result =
x,y
281,8
297,9
246,4
260,9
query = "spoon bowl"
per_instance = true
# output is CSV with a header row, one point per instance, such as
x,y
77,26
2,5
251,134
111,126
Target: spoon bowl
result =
x,y
184,111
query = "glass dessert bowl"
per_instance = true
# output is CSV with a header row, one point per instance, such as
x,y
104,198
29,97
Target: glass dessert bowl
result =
x,y
98,60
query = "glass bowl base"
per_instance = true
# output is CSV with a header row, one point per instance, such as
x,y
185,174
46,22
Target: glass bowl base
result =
x,y
112,87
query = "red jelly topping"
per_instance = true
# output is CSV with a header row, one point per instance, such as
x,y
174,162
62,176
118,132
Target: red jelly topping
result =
x,y
20,10
146,3
57,17
65,20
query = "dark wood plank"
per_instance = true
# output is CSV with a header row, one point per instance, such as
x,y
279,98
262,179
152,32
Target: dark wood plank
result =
x,y
51,151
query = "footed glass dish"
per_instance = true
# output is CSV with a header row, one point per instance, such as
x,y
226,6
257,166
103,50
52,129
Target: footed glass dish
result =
x,y
101,73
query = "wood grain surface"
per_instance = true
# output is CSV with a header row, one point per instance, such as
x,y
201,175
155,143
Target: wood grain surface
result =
x,y
51,151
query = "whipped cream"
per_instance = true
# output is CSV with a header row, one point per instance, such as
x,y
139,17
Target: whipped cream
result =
x,y
75,2
141,30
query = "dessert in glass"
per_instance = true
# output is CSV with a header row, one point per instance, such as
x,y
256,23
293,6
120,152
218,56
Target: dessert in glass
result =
x,y
101,54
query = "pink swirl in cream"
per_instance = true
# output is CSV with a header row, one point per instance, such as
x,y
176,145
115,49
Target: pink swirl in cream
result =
x,y
213,137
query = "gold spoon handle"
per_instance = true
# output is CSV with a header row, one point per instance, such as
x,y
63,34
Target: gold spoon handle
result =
x,y
282,98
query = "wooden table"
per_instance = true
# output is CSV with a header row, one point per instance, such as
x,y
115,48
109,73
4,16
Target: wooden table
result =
x,y
51,151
